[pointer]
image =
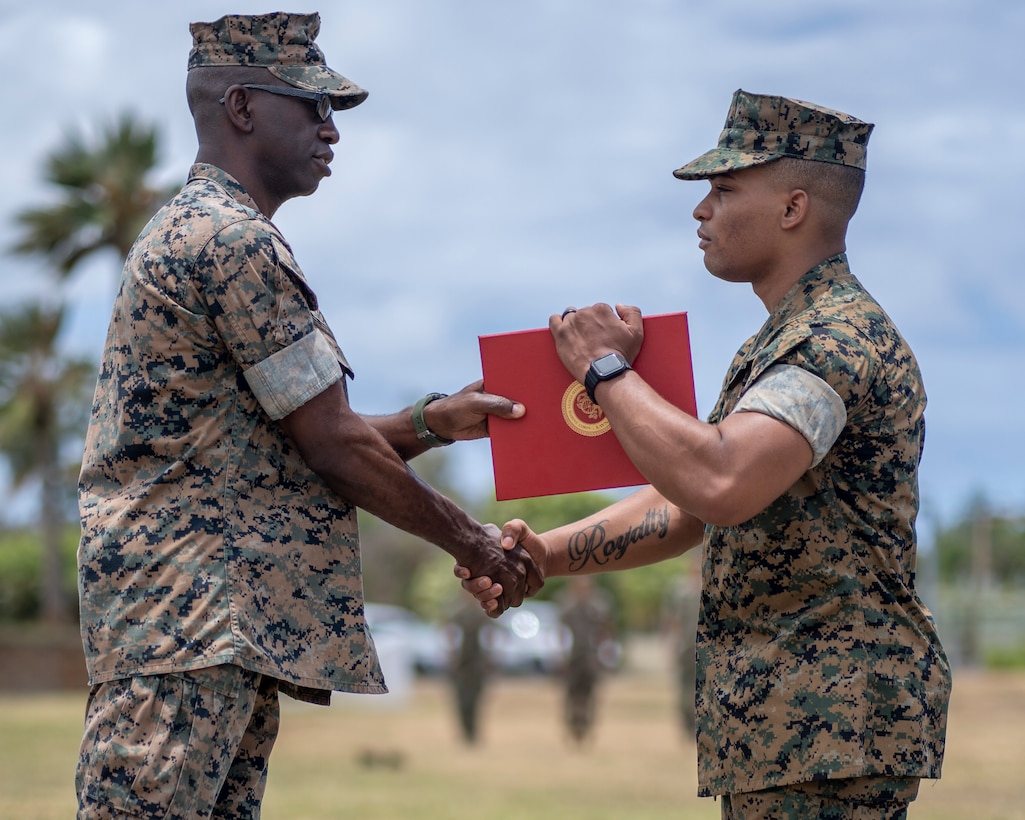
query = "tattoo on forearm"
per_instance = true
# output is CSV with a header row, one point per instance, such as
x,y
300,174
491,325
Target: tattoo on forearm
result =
x,y
594,544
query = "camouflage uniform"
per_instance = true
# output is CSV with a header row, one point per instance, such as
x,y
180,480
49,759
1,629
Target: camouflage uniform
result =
x,y
180,747
206,539
859,798
816,658
215,568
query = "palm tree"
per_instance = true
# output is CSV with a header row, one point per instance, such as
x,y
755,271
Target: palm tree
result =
x,y
44,402
106,196
106,199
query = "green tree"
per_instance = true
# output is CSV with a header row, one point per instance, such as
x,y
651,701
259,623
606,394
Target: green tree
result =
x,y
43,405
106,195
982,541
104,200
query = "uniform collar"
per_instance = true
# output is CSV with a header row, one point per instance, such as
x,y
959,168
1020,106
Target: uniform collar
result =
x,y
203,170
800,297
805,290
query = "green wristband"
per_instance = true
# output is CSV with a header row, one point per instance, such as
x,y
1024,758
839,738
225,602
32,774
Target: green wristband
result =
x,y
423,432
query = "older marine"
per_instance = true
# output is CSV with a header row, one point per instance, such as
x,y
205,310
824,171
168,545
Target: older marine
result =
x,y
220,560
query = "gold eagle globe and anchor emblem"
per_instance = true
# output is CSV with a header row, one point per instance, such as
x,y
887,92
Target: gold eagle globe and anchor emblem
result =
x,y
581,414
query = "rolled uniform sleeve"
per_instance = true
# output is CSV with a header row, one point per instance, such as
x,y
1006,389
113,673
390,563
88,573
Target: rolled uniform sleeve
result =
x,y
286,380
801,399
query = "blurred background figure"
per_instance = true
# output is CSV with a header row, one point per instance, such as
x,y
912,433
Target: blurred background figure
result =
x,y
679,624
470,665
587,614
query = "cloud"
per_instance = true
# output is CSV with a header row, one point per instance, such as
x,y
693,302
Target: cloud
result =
x,y
516,158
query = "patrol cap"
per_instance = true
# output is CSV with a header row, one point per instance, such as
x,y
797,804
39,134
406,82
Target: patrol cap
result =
x,y
761,129
282,43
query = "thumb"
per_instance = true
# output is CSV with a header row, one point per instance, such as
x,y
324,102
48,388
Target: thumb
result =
x,y
513,532
506,408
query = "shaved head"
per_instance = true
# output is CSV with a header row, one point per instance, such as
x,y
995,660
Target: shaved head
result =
x,y
834,189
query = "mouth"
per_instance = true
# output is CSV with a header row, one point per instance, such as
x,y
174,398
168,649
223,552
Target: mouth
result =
x,y
703,240
324,160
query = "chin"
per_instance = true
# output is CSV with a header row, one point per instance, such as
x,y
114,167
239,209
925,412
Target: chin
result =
x,y
724,274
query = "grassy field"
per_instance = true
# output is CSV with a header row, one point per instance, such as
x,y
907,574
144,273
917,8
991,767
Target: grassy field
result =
x,y
389,759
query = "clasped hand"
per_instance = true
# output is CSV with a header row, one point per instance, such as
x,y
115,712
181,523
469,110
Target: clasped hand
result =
x,y
496,593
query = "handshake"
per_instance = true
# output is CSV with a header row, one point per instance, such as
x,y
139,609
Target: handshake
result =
x,y
502,578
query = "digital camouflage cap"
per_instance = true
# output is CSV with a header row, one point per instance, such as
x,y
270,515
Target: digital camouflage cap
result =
x,y
282,43
760,129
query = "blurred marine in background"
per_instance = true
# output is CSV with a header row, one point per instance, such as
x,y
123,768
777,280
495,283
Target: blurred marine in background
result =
x,y
587,613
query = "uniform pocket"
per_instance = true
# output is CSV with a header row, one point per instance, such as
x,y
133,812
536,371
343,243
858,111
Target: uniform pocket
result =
x,y
134,766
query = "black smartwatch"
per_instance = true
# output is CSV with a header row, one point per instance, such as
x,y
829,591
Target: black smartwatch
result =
x,y
602,369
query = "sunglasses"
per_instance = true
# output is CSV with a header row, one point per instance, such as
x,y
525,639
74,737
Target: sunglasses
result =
x,y
320,99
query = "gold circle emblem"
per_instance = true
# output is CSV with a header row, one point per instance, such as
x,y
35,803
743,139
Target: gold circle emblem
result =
x,y
582,415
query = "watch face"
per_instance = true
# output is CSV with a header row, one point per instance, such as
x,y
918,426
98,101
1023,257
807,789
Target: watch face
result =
x,y
609,363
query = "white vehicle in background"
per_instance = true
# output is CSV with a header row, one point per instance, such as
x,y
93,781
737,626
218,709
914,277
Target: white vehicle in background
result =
x,y
427,645
528,639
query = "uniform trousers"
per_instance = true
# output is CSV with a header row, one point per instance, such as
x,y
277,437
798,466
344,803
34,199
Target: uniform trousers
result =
x,y
859,798
183,746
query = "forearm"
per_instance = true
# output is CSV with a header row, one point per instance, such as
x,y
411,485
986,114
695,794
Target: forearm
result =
x,y
678,454
397,430
364,469
723,473
642,529
370,475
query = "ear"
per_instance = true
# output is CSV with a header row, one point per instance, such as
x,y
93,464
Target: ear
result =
x,y
236,106
795,209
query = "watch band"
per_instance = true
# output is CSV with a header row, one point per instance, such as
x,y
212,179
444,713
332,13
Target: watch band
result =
x,y
591,382
423,432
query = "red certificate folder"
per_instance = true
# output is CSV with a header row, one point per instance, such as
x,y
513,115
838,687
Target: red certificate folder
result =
x,y
564,443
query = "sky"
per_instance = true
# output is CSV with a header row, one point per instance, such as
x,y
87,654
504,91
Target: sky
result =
x,y
516,158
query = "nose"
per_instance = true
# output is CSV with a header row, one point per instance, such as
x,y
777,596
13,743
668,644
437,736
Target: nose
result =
x,y
329,132
701,210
